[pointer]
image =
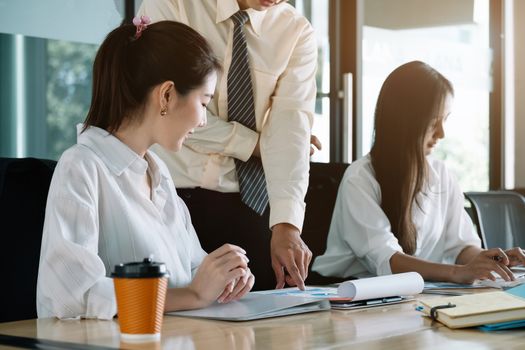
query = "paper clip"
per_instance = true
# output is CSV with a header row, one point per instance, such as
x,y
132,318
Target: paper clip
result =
x,y
433,310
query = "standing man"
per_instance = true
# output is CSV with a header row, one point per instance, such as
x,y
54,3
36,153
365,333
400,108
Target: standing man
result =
x,y
248,168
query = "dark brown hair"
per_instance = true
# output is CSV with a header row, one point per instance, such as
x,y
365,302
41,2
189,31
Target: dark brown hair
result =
x,y
127,68
409,102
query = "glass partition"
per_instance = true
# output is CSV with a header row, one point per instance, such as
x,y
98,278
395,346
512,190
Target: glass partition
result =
x,y
453,37
46,61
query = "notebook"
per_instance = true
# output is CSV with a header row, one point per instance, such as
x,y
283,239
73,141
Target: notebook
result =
x,y
256,306
478,309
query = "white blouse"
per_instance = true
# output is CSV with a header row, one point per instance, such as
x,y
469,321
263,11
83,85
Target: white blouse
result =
x,y
360,240
98,215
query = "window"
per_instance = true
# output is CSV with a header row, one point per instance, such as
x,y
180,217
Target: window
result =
x,y
317,13
47,86
454,39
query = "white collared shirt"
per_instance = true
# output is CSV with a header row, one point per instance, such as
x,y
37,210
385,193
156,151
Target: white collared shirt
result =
x,y
98,215
283,57
360,240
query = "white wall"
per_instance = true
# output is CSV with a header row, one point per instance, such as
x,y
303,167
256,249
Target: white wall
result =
x,y
86,21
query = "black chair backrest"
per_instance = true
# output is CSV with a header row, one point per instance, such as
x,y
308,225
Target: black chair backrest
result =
x,y
501,218
24,184
320,201
473,214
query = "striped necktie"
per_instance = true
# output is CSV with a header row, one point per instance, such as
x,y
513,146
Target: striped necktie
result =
x,y
252,183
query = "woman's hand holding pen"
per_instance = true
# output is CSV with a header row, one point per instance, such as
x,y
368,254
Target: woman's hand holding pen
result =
x,y
516,256
223,275
482,266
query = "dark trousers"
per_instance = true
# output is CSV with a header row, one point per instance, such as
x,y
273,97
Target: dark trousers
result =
x,y
221,218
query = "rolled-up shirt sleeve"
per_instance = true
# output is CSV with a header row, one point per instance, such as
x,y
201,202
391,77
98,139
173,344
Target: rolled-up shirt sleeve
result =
x,y
72,278
229,139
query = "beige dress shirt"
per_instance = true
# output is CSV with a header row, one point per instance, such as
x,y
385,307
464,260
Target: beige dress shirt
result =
x,y
283,57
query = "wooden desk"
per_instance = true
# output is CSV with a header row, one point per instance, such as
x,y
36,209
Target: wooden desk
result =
x,y
392,327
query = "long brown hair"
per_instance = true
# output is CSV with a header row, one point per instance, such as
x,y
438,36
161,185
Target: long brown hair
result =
x,y
126,68
410,100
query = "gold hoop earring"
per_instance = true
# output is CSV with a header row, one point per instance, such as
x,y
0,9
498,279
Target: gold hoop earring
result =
x,y
163,111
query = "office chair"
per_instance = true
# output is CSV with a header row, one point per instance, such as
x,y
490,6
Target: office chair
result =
x,y
472,213
501,218
320,201
24,184
520,190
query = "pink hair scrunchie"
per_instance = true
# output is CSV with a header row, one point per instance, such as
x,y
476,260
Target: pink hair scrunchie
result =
x,y
141,23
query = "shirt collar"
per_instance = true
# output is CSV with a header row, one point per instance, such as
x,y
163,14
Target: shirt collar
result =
x,y
156,172
114,153
226,9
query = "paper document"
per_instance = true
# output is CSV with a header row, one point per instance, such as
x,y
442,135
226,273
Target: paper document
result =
x,y
409,283
256,306
336,301
449,285
500,283
519,275
360,293
449,288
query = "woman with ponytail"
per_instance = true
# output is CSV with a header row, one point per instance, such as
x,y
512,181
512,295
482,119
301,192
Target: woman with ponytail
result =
x,y
400,210
113,201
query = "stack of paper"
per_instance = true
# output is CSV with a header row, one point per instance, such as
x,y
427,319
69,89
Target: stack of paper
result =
x,y
449,288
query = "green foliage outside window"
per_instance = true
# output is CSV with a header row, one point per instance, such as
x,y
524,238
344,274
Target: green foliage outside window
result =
x,y
68,93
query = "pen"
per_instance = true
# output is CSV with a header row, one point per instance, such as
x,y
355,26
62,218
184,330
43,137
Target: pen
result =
x,y
442,292
497,258
383,300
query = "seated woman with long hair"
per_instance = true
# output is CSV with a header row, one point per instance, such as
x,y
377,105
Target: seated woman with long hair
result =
x,y
398,209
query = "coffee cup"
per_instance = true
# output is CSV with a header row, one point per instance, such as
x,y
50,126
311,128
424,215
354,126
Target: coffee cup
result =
x,y
140,288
